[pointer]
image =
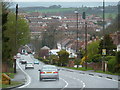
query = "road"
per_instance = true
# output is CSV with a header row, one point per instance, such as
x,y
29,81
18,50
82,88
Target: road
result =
x,y
67,79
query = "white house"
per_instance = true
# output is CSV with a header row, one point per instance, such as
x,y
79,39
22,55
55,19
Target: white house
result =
x,y
118,47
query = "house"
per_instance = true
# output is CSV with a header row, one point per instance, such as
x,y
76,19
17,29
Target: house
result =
x,y
44,52
118,47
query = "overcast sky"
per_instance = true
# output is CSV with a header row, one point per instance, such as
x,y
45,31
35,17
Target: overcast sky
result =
x,y
62,0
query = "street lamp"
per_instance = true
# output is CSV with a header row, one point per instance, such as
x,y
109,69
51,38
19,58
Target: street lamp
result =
x,y
76,12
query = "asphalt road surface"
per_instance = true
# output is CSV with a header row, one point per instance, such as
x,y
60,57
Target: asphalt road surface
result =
x,y
67,79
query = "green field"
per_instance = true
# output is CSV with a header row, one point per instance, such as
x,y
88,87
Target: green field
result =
x,y
54,10
68,10
108,15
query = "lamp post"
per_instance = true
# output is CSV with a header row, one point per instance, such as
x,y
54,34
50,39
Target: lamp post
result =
x,y
84,17
16,37
76,12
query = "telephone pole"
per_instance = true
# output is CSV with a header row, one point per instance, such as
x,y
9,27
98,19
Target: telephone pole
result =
x,y
103,50
16,38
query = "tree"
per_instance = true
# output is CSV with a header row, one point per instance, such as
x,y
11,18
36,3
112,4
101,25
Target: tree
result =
x,y
96,58
22,33
111,64
63,57
107,44
117,67
53,59
8,42
36,43
93,49
114,26
49,36
77,62
55,6
5,47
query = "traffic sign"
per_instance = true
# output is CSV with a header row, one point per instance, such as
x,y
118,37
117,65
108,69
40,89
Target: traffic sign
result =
x,y
103,51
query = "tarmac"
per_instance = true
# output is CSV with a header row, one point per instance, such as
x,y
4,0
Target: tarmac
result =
x,y
21,77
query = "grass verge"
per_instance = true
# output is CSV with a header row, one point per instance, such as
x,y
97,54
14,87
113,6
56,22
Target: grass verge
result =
x,y
13,83
83,69
11,75
107,72
80,68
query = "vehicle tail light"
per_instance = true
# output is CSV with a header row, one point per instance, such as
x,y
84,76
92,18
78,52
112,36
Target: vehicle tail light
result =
x,y
55,72
42,72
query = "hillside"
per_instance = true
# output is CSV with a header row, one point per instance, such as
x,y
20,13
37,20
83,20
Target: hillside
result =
x,y
110,11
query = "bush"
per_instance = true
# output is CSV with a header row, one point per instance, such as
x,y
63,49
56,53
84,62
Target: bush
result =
x,y
117,67
96,58
107,58
46,61
112,64
40,58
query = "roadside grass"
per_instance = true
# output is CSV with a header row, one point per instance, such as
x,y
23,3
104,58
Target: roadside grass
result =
x,y
107,72
11,75
80,68
83,69
13,83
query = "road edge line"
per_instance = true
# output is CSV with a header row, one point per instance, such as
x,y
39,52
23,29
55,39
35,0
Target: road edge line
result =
x,y
29,79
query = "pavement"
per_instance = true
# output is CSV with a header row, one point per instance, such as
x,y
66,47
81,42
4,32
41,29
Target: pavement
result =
x,y
19,77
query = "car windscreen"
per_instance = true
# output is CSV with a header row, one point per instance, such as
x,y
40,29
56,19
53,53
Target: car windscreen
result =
x,y
49,69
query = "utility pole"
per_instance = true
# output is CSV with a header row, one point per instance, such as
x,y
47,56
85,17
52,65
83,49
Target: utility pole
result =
x,y
16,37
84,17
103,50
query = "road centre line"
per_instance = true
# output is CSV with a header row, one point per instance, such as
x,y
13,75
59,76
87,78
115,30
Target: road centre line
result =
x,y
115,80
78,80
29,79
65,82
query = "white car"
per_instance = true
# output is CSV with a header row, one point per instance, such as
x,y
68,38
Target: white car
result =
x,y
29,66
18,55
49,72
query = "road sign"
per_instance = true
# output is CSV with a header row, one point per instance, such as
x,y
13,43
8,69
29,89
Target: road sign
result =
x,y
103,51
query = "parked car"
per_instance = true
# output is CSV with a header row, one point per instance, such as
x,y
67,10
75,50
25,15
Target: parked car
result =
x,y
49,72
29,66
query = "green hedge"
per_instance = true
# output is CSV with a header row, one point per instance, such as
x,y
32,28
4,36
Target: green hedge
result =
x,y
111,64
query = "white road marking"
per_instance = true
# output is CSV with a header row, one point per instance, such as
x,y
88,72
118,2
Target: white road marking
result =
x,y
115,80
65,82
99,77
28,77
78,80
